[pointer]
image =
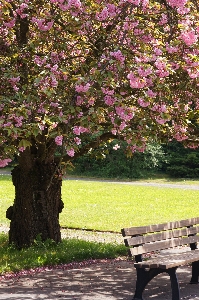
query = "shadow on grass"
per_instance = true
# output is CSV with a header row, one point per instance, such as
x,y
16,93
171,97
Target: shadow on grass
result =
x,y
49,254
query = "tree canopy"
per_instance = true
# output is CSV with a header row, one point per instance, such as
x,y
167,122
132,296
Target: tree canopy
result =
x,y
77,73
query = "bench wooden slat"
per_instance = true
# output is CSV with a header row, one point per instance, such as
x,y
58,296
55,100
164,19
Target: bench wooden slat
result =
x,y
161,236
170,261
133,231
166,244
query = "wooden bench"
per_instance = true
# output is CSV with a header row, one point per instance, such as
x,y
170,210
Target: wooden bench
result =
x,y
152,240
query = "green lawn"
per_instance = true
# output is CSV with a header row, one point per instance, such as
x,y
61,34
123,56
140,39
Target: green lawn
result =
x,y
99,206
112,206
6,197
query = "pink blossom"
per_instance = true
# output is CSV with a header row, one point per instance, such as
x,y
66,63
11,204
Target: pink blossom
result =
x,y
171,49
54,125
71,152
161,108
177,3
189,37
14,80
4,162
118,56
192,145
135,148
160,120
151,94
157,51
136,82
82,88
21,149
122,126
135,2
77,140
193,74
162,73
20,10
109,100
116,147
79,129
18,121
107,91
144,72
54,104
163,20
91,101
42,24
54,82
160,64
58,140
143,103
114,131
39,61
62,6
74,3
79,101
10,24
183,10
103,15
180,137
112,10
125,113
80,115
41,127
7,124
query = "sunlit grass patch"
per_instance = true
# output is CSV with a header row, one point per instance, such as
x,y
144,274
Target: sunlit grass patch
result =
x,y
6,196
112,206
49,254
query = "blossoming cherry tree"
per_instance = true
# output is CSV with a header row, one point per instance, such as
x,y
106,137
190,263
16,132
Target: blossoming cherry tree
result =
x,y
76,74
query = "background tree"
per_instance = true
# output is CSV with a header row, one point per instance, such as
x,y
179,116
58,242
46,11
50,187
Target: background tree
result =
x,y
77,73
181,162
111,161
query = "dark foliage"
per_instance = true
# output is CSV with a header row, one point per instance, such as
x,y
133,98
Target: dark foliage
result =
x,y
181,162
115,164
172,159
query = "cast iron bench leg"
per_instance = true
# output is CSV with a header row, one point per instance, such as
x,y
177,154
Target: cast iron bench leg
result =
x,y
195,272
174,284
143,277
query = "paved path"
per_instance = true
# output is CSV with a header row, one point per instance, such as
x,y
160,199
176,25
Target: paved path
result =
x,y
154,184
141,183
108,280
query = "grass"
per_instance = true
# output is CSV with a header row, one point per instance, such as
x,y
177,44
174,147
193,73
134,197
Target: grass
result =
x,y
112,206
6,197
97,206
49,254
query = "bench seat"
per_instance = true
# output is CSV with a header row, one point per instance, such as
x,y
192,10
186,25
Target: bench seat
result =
x,y
168,261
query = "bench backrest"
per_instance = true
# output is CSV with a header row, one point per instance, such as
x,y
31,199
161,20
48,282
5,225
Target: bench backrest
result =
x,y
161,236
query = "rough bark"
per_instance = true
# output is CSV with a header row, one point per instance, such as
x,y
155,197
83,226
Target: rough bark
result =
x,y
37,203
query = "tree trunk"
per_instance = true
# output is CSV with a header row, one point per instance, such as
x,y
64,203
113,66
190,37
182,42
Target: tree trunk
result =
x,y
37,204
